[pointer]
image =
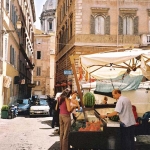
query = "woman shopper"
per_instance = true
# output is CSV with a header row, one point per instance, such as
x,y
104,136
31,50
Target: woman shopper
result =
x,y
64,118
74,102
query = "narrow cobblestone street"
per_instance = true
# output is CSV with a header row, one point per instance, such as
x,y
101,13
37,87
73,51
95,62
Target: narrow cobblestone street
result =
x,y
24,133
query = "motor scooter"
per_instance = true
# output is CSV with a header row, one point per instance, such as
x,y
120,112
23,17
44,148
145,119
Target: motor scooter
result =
x,y
12,112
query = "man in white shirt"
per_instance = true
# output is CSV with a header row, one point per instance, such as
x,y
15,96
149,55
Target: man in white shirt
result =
x,y
127,121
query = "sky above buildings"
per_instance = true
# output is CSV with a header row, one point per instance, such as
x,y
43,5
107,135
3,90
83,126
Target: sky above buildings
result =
x,y
38,9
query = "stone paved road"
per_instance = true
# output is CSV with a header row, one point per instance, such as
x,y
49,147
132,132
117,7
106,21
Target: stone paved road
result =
x,y
24,133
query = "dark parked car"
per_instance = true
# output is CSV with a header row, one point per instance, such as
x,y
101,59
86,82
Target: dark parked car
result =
x,y
23,106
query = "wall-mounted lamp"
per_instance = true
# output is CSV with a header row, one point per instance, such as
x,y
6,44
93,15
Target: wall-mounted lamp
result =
x,y
30,67
33,65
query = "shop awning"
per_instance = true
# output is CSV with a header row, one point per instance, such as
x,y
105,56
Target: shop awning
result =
x,y
114,64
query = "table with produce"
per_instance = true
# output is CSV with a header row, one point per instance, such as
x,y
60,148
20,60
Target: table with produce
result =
x,y
89,131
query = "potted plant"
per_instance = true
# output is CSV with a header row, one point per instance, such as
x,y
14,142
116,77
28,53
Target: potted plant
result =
x,y
4,111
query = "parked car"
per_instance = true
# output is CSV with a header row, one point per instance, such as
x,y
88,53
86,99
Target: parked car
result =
x,y
40,107
23,106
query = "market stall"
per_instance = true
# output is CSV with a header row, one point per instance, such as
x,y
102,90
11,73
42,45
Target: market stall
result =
x,y
120,69
84,136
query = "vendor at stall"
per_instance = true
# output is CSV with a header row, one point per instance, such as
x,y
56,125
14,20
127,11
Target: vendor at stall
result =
x,y
127,121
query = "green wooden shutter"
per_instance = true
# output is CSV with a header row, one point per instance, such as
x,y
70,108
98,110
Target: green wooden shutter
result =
x,y
14,17
136,25
92,24
107,25
11,12
11,55
7,5
15,59
120,29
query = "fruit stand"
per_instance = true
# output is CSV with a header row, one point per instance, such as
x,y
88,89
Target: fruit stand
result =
x,y
83,136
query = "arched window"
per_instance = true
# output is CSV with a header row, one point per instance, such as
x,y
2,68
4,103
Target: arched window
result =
x,y
99,25
128,26
50,25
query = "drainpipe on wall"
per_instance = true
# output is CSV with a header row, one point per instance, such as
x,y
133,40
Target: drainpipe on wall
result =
x,y
1,37
117,23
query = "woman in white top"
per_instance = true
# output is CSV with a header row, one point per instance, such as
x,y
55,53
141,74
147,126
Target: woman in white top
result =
x,y
74,102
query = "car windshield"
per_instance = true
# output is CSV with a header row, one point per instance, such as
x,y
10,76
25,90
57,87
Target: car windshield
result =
x,y
23,101
43,102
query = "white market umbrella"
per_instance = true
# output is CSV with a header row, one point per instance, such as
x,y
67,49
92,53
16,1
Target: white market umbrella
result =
x,y
114,64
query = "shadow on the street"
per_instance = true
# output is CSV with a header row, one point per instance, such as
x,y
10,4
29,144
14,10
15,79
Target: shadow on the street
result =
x,y
23,115
55,146
46,128
52,135
48,122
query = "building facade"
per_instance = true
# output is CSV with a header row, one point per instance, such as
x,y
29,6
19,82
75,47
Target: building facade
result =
x,y
93,26
17,54
44,73
48,16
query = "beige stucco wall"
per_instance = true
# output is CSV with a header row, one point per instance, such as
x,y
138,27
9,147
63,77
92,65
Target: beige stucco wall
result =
x,y
9,39
12,92
47,63
83,11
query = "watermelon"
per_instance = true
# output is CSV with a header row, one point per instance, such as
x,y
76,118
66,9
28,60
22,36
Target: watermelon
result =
x,y
88,99
114,118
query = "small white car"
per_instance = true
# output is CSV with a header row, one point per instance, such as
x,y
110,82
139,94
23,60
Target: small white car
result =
x,y
40,107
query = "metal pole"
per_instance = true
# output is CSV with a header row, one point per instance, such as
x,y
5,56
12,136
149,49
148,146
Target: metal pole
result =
x,y
117,23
